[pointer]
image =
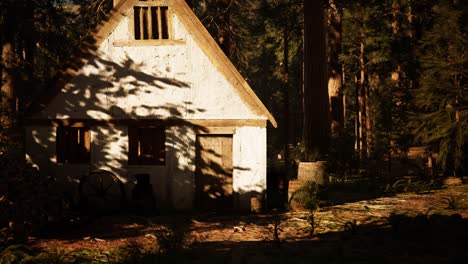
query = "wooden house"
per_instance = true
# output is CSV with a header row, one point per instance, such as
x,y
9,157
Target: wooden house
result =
x,y
155,97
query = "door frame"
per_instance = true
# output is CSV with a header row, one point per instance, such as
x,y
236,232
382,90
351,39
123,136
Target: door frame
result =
x,y
216,131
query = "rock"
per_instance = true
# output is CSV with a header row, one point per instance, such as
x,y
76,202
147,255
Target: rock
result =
x,y
239,229
151,236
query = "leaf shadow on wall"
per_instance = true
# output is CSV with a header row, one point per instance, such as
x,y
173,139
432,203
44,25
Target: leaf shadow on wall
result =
x,y
99,99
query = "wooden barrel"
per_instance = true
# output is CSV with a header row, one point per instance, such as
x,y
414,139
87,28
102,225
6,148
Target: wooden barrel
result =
x,y
312,171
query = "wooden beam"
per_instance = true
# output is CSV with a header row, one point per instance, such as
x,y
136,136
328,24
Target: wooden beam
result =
x,y
142,32
148,42
219,59
152,3
193,25
201,123
218,131
150,23
159,23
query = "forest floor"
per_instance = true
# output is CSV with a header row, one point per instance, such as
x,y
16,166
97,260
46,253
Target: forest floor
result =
x,y
417,228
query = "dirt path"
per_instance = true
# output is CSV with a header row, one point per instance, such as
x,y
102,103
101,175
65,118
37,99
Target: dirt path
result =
x,y
355,227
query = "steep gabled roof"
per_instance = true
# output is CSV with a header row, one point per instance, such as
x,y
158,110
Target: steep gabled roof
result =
x,y
199,33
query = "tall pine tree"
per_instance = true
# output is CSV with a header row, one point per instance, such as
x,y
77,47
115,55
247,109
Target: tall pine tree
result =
x,y
442,120
316,106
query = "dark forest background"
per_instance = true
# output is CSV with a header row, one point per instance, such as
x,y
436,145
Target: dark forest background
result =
x,y
355,83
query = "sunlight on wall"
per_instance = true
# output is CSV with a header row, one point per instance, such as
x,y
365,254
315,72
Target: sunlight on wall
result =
x,y
62,116
249,163
36,136
155,82
87,94
98,114
109,150
29,160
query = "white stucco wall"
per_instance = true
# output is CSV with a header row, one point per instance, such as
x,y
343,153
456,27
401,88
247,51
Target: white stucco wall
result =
x,y
41,152
153,82
159,81
249,164
173,184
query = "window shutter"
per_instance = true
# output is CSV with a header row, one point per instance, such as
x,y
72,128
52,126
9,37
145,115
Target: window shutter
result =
x,y
147,146
160,147
132,145
60,144
87,139
151,22
86,144
73,145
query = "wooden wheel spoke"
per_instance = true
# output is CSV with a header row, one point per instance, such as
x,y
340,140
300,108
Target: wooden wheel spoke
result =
x,y
110,185
95,188
107,188
100,188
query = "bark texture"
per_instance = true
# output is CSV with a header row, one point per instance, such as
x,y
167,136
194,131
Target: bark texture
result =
x,y
315,102
335,70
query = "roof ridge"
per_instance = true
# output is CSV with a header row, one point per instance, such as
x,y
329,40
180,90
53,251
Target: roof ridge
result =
x,y
196,29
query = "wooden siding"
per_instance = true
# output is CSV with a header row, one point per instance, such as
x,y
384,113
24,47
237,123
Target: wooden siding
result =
x,y
214,183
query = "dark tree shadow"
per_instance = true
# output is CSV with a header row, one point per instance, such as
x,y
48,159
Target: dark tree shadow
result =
x,y
420,239
95,97
402,239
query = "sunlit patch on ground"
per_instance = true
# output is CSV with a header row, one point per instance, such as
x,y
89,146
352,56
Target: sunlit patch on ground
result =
x,y
403,225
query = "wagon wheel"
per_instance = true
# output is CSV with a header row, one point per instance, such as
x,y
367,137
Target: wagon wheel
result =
x,y
102,191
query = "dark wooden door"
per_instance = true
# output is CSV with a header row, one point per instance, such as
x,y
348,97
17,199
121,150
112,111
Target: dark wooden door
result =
x,y
214,172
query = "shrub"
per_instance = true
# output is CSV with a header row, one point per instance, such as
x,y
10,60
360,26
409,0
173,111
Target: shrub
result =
x,y
28,201
408,185
454,201
308,197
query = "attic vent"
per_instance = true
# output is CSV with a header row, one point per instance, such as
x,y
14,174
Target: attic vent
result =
x,y
151,22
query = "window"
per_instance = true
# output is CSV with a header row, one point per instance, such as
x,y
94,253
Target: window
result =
x,y
146,146
73,145
151,22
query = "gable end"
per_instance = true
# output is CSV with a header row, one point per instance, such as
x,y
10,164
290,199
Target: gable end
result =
x,y
197,31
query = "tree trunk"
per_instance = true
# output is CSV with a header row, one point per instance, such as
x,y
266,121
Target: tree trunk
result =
x,y
286,136
369,134
396,36
395,77
362,99
27,54
357,119
8,83
9,66
315,97
413,82
335,69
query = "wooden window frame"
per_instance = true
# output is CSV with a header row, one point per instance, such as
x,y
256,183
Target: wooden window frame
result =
x,y
156,5
155,138
73,145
